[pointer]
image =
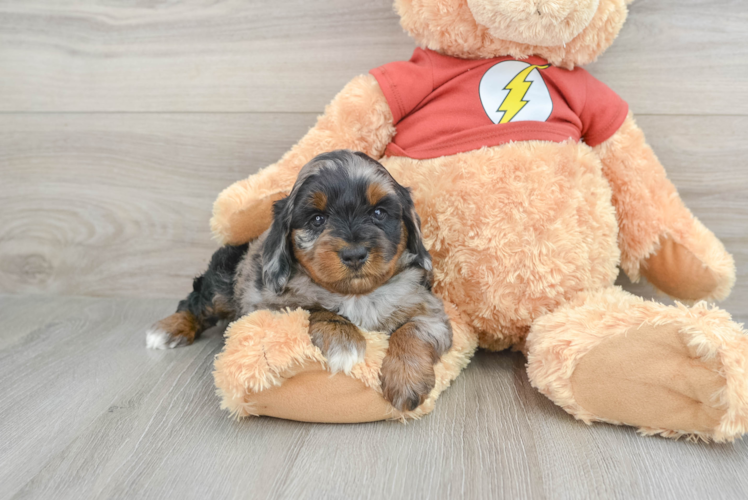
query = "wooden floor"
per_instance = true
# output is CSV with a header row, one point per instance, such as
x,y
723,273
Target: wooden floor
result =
x,y
119,124
87,412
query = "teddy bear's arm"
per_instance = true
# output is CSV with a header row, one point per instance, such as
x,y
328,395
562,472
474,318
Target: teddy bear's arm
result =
x,y
359,118
659,238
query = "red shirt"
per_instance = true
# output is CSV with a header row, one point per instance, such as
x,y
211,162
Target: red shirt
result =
x,y
443,105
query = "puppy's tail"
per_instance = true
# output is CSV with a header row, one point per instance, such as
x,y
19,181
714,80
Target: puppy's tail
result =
x,y
211,300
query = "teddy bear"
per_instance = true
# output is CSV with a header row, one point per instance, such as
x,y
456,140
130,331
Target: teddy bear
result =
x,y
534,184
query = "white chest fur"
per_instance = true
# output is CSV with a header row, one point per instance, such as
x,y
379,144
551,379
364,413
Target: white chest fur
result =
x,y
372,310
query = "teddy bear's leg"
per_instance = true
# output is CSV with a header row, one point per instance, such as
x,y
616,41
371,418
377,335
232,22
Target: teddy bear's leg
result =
x,y
359,118
271,366
612,357
658,236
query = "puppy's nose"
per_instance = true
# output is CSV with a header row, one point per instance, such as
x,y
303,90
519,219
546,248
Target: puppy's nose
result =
x,y
354,256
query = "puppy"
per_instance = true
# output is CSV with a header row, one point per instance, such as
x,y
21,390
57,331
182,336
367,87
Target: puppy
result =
x,y
346,246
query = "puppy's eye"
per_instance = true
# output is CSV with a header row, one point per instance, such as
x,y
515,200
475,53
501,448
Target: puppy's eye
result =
x,y
379,214
318,220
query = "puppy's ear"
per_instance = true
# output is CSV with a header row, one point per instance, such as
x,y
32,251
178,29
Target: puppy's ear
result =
x,y
276,252
413,226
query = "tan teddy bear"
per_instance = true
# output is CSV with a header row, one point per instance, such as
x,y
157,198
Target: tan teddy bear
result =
x,y
533,183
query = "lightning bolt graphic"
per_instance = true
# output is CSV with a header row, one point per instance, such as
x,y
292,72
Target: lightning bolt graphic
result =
x,y
518,87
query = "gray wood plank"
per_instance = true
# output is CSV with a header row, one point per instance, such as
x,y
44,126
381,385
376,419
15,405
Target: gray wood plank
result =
x,y
200,55
118,205
673,57
62,372
20,321
110,419
678,57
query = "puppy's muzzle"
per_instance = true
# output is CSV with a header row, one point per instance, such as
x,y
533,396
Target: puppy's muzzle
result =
x,y
354,257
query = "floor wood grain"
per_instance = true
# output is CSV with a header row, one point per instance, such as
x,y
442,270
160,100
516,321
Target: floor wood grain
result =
x,y
87,412
672,57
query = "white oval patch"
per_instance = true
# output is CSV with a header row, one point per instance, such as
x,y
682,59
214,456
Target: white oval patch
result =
x,y
514,91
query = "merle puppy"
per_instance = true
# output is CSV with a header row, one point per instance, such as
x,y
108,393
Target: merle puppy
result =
x,y
346,246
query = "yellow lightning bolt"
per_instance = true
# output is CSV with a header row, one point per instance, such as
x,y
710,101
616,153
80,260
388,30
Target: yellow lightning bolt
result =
x,y
518,87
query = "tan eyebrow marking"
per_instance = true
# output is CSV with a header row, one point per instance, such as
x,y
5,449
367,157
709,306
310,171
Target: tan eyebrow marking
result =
x,y
319,201
375,192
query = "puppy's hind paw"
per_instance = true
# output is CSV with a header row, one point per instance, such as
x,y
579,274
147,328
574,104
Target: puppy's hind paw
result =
x,y
177,330
155,338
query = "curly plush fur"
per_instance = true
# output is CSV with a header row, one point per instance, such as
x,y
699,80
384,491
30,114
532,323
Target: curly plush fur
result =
x,y
525,239
450,27
560,341
269,366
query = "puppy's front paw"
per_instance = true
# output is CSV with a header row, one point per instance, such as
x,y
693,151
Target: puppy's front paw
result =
x,y
342,357
406,385
340,341
408,368
177,330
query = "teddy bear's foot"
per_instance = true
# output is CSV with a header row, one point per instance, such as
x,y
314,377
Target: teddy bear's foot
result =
x,y
271,366
674,371
651,377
